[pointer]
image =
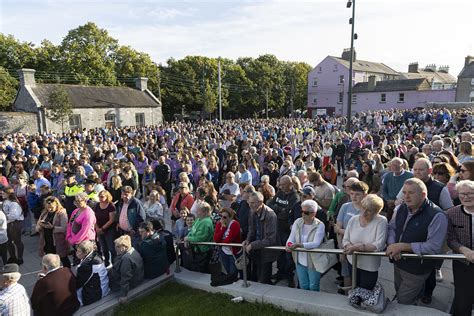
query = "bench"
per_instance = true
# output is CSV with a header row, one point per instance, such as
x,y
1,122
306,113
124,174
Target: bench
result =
x,y
108,304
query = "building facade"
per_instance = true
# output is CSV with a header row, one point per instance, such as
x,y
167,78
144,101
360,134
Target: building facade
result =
x,y
465,87
93,106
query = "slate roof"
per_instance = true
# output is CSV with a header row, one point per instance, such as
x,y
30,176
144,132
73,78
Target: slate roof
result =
x,y
441,77
393,85
98,97
367,66
467,71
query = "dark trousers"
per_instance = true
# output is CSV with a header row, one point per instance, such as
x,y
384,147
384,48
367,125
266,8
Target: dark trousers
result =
x,y
463,293
340,165
285,263
430,283
365,279
107,247
3,252
260,271
14,239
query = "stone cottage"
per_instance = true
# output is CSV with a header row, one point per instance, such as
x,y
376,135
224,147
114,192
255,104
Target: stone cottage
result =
x,y
93,106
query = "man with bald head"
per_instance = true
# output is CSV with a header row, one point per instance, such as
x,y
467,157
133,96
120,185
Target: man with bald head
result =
x,y
393,183
282,203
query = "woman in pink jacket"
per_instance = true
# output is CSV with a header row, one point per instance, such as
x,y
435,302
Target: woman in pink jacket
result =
x,y
82,222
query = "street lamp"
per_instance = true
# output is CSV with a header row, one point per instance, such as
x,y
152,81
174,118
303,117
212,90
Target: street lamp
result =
x,y
351,3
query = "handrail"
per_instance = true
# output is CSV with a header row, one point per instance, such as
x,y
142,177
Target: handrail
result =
x,y
318,250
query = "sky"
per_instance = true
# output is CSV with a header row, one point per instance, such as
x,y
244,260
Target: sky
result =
x,y
393,32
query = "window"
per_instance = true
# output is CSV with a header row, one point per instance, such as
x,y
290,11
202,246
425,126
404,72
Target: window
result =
x,y
320,69
341,97
341,79
471,96
472,81
140,119
401,97
110,120
315,82
354,98
315,101
75,122
383,97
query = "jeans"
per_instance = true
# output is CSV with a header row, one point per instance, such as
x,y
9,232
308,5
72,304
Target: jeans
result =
x,y
14,239
228,262
106,240
308,278
285,262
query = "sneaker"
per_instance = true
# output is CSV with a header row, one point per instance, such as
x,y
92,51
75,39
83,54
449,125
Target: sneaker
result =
x,y
439,276
291,283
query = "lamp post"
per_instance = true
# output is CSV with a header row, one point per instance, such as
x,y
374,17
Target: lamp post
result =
x,y
351,3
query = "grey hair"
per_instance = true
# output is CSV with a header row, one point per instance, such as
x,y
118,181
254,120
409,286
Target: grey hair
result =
x,y
12,276
465,184
265,178
417,182
86,246
51,261
258,196
82,196
311,204
352,174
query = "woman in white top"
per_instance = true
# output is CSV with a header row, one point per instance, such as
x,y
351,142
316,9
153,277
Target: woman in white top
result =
x,y
327,154
307,232
3,237
366,232
14,214
153,207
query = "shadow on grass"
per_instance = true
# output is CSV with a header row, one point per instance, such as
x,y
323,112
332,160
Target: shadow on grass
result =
x,y
176,299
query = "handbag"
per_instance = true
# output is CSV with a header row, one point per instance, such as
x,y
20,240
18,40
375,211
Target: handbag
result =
x,y
325,261
239,261
373,301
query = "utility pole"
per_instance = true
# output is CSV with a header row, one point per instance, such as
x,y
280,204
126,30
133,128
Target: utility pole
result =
x,y
266,106
220,91
292,95
349,99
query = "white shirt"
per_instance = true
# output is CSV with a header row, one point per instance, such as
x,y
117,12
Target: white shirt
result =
x,y
13,211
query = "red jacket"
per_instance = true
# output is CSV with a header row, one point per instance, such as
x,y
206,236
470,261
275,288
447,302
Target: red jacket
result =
x,y
233,237
187,201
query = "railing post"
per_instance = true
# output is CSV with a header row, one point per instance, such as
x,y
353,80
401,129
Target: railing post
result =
x,y
177,269
354,270
244,271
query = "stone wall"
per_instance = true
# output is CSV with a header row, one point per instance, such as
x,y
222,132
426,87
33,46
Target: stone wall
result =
x,y
464,89
18,122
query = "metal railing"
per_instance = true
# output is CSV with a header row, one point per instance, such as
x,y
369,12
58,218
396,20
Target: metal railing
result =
x,y
317,250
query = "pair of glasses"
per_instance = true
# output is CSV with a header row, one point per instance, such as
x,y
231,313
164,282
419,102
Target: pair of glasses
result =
x,y
463,170
306,212
224,217
49,202
439,173
466,194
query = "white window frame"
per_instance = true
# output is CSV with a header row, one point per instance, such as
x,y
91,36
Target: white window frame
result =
x,y
138,123
354,98
75,122
340,98
401,97
315,82
383,97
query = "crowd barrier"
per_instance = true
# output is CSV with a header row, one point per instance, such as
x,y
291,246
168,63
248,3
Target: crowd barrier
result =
x,y
316,250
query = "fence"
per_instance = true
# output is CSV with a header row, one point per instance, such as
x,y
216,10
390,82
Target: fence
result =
x,y
316,250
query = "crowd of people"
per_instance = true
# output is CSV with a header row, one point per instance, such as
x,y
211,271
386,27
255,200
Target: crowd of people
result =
x,y
97,200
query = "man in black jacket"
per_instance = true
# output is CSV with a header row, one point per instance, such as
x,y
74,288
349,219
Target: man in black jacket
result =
x,y
163,177
339,155
282,203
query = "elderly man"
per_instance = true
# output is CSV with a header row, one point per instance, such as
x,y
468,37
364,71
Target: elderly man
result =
x,y
262,233
55,291
282,203
13,297
438,194
393,183
418,226
229,191
324,191
163,176
130,213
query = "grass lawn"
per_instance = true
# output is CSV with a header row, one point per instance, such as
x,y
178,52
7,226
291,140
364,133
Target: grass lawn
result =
x,y
176,299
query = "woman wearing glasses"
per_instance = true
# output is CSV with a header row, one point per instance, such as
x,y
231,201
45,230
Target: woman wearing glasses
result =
x,y
52,225
466,172
228,231
307,232
460,237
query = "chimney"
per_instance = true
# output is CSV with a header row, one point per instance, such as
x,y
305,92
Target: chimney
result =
x,y
27,77
431,67
372,83
141,83
413,67
346,54
444,69
468,60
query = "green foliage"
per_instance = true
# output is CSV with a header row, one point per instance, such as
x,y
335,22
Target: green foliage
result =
x,y
8,86
88,55
59,108
176,299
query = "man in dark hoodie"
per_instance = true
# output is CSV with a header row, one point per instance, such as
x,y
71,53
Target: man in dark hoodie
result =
x,y
282,203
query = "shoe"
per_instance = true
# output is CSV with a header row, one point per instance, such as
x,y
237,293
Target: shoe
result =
x,y
276,278
426,300
439,276
341,291
11,260
291,283
19,262
34,234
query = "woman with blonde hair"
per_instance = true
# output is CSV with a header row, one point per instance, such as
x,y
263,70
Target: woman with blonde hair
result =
x,y
115,188
51,226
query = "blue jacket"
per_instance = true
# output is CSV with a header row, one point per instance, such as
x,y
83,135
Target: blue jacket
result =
x,y
136,213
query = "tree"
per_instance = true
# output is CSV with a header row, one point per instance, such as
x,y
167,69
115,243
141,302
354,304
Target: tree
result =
x,y
88,55
60,108
8,86
15,54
